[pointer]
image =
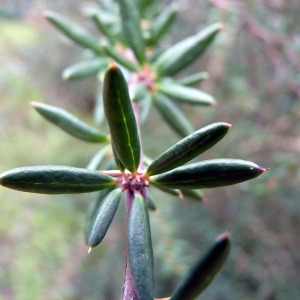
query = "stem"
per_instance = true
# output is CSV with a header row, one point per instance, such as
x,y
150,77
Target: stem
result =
x,y
128,292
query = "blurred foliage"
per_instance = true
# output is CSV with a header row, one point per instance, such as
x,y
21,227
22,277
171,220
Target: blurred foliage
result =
x,y
254,75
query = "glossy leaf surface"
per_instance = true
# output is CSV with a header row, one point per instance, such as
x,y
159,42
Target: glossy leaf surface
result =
x,y
70,124
74,31
189,147
185,94
182,54
172,114
132,28
208,174
121,119
55,180
204,270
140,249
103,217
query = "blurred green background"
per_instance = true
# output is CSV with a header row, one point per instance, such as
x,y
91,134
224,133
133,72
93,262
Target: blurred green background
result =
x,y
254,71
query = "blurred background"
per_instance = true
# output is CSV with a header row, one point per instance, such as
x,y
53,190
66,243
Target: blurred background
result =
x,y
254,69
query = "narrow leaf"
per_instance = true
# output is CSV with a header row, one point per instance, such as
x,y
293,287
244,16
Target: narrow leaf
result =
x,y
204,270
182,54
183,193
118,162
103,217
162,23
92,209
132,28
140,249
84,69
172,114
55,180
150,201
185,94
189,147
69,123
209,174
119,58
98,158
121,119
74,31
193,79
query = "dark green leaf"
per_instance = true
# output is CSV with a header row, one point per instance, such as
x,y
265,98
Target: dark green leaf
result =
x,y
204,270
84,69
70,123
172,114
92,209
182,54
132,28
140,249
121,119
189,147
55,180
74,32
185,94
150,202
103,217
208,174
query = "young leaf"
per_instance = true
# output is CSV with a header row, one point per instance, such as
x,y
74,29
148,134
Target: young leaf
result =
x,y
110,51
103,217
185,94
70,123
163,23
208,174
204,270
192,79
121,119
84,69
140,249
132,28
55,180
172,114
74,32
189,147
182,54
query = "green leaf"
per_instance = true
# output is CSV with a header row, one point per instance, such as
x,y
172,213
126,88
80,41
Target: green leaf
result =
x,y
185,94
204,270
182,54
103,217
183,193
140,249
119,58
150,201
98,158
162,23
193,79
70,123
73,31
132,28
92,209
118,162
55,180
84,69
208,174
121,119
172,114
188,148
